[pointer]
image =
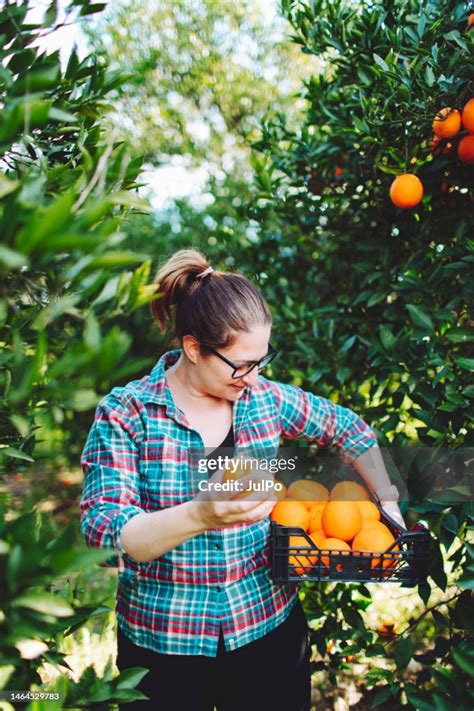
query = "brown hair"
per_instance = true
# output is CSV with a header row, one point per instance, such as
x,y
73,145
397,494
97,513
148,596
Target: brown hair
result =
x,y
210,308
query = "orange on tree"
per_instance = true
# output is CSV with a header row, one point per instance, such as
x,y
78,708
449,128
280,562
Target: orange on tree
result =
x,y
299,561
440,146
308,492
466,149
387,629
373,540
406,191
368,510
315,514
349,491
290,513
468,116
334,544
341,519
470,20
447,122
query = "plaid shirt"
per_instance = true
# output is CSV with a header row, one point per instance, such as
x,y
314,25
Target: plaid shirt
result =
x,y
135,460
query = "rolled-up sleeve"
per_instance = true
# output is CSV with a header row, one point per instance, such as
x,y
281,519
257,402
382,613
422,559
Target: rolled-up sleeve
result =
x,y
110,496
309,416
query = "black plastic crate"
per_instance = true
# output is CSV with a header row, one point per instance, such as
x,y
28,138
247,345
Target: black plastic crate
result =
x,y
408,565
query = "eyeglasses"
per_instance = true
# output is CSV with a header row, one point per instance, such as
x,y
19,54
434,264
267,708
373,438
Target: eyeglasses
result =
x,y
241,370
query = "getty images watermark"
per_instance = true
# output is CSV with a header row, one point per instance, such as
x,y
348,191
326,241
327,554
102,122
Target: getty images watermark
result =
x,y
237,473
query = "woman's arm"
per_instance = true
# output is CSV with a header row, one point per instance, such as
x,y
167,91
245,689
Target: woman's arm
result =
x,y
371,467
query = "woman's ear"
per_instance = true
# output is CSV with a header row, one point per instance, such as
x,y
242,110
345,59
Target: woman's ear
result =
x,y
191,349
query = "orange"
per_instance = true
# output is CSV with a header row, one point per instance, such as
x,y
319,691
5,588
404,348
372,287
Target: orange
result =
x,y
290,513
242,469
349,491
334,544
368,510
406,191
318,538
447,122
338,171
373,523
468,115
315,514
280,493
387,629
470,20
341,519
308,492
373,540
466,149
298,560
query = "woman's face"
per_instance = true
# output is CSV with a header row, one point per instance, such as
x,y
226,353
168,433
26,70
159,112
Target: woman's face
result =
x,y
215,376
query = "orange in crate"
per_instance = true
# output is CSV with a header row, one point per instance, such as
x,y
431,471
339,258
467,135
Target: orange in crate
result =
x,y
349,491
300,560
315,514
373,540
335,544
341,519
368,510
308,492
290,513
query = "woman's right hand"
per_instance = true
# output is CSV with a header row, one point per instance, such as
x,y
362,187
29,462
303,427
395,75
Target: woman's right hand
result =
x,y
217,509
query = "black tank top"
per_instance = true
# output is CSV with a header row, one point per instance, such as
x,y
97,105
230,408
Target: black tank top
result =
x,y
227,443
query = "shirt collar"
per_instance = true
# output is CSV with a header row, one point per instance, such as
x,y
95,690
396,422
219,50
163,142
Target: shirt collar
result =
x,y
158,391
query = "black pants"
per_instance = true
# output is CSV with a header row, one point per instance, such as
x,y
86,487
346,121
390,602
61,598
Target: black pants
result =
x,y
272,673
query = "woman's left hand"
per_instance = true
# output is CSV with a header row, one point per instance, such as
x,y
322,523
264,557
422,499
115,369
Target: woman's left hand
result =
x,y
392,509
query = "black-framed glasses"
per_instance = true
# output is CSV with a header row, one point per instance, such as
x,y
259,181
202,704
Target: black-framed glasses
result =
x,y
241,370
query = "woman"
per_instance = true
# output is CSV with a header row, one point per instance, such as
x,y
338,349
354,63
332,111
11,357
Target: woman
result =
x,y
195,601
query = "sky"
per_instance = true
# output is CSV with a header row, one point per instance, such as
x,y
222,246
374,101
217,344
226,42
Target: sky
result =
x,y
166,183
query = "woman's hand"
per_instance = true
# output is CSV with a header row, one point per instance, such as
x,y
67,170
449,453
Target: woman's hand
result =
x,y
220,509
392,509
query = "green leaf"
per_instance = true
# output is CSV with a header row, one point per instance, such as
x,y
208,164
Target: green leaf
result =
x,y
63,305
11,259
131,677
460,335
44,602
381,63
7,186
420,318
387,338
463,660
465,363
403,652
16,453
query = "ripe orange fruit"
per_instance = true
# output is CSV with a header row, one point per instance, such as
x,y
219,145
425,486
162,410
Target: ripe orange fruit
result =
x,y
373,523
315,514
318,538
387,629
280,493
308,492
349,491
468,114
466,149
341,519
338,171
470,20
368,510
373,540
290,513
447,122
334,544
300,562
406,191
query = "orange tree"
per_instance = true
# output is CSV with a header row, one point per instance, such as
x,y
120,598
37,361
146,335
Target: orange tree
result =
x,y
373,299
